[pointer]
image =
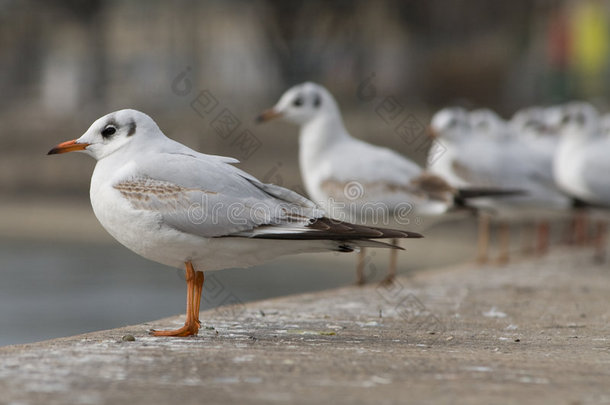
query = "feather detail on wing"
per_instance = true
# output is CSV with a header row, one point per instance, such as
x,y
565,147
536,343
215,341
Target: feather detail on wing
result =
x,y
209,213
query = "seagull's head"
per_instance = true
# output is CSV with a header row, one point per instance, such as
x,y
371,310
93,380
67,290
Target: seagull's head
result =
x,y
450,124
302,104
112,132
531,121
579,119
486,122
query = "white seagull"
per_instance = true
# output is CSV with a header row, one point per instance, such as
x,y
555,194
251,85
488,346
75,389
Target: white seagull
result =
x,y
485,151
348,176
581,164
179,207
537,130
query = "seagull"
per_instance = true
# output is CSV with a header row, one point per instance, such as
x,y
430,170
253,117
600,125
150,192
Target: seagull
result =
x,y
470,142
173,205
468,152
581,164
581,161
536,129
487,122
348,176
486,151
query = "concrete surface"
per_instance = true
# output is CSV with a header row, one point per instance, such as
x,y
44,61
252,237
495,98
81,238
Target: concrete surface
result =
x,y
536,331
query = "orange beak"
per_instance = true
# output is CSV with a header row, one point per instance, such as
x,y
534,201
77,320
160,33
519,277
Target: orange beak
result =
x,y
268,115
68,146
431,132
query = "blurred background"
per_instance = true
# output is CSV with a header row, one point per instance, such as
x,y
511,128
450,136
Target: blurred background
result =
x,y
63,64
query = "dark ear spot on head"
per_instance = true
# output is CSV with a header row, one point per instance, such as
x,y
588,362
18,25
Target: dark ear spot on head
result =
x,y
317,100
132,128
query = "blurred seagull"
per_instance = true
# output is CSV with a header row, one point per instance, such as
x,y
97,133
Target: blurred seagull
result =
x,y
581,164
468,153
487,122
485,151
179,207
351,177
453,126
536,129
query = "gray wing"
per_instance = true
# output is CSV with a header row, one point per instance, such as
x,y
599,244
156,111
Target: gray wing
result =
x,y
210,198
373,164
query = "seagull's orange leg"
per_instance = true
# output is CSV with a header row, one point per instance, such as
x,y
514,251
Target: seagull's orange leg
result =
x,y
389,279
193,296
360,268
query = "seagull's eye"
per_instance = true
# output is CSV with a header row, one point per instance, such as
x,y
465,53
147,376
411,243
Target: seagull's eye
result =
x,y
298,102
108,131
317,100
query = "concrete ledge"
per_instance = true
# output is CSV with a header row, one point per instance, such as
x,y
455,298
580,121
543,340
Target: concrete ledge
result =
x,y
533,332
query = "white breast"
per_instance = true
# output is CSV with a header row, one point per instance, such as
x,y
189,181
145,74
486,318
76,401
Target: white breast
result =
x,y
141,231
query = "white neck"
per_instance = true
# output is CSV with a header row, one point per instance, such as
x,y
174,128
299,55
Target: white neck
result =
x,y
316,138
323,130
